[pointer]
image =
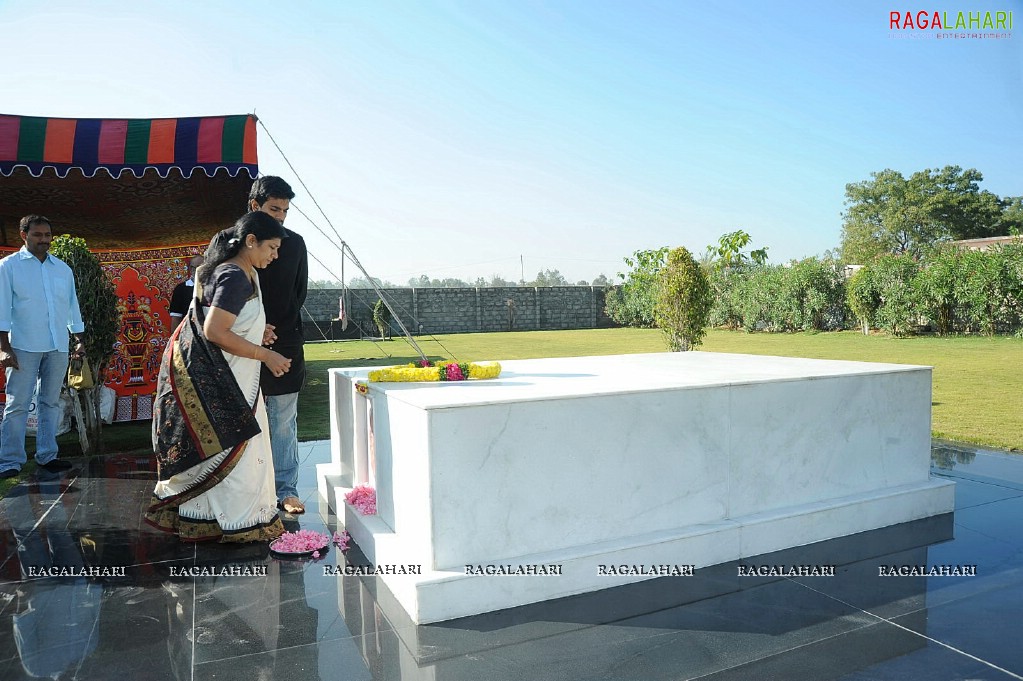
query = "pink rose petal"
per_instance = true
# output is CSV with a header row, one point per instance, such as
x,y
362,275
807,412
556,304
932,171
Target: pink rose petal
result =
x,y
364,499
301,541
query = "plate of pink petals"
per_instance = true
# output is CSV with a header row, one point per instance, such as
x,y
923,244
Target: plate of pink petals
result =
x,y
308,543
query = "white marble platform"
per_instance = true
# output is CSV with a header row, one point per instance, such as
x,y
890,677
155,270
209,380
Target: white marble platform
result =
x,y
676,458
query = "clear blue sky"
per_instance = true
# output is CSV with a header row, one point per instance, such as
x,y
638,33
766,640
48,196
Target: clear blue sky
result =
x,y
449,138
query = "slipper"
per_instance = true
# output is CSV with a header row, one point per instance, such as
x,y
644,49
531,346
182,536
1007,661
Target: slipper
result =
x,y
292,505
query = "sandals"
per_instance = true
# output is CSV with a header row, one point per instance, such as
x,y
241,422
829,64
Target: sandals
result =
x,y
292,505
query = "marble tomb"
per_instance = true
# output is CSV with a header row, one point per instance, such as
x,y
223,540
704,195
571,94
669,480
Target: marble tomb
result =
x,y
550,480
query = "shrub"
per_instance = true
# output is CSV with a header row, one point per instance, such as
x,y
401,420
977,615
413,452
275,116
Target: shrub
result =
x,y
382,318
1011,263
756,297
892,277
989,290
684,299
862,296
725,311
632,302
936,286
814,295
98,302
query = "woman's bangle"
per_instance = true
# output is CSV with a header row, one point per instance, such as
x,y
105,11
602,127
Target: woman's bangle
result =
x,y
255,355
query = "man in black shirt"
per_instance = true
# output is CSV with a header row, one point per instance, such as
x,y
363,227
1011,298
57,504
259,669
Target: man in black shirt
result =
x,y
283,285
181,298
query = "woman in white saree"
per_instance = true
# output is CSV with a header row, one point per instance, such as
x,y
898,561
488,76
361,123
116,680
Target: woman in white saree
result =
x,y
210,434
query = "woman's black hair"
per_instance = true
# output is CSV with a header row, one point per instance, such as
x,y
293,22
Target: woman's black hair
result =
x,y
226,243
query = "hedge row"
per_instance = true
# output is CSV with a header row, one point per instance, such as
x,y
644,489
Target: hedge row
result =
x,y
953,291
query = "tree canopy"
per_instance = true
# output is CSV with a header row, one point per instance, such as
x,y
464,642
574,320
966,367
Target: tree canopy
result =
x,y
549,277
729,253
363,282
893,214
324,284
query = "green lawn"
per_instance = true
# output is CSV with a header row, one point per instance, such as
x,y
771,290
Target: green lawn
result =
x,y
977,389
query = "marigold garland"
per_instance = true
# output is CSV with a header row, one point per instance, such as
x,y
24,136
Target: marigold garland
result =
x,y
441,371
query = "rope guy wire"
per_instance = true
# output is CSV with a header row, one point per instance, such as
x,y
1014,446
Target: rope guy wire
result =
x,y
346,251
344,246
361,302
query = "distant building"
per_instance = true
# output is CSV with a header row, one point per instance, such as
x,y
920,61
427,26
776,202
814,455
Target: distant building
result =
x,y
850,270
987,243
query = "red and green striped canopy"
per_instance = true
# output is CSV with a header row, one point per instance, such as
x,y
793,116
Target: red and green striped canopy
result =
x,y
209,143
149,193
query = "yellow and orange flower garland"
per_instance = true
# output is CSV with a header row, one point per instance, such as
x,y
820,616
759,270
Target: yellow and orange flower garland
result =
x,y
440,371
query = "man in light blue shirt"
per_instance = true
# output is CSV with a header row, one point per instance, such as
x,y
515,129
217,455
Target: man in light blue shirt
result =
x,y
38,307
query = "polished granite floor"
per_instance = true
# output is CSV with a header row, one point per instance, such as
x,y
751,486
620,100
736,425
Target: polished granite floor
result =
x,y
296,622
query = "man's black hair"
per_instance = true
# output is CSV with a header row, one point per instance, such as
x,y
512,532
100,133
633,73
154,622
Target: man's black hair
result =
x,y
269,187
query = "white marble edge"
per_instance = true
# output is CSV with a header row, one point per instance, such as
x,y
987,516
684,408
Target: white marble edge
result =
x,y
440,595
429,396
939,494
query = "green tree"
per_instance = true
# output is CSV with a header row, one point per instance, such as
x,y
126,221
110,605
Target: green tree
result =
x,y
324,284
1011,219
549,277
631,303
98,302
959,204
684,299
451,282
363,282
897,215
729,253
727,263
423,281
885,215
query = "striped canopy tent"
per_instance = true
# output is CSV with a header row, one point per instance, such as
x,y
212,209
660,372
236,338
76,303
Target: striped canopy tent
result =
x,y
126,183
146,195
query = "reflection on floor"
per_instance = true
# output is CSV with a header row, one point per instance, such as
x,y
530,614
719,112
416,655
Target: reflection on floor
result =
x,y
172,615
